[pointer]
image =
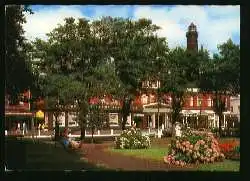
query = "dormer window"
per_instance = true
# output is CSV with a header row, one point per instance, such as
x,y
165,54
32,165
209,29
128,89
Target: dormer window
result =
x,y
144,99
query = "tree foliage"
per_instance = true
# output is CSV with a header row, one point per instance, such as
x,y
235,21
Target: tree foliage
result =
x,y
17,68
222,76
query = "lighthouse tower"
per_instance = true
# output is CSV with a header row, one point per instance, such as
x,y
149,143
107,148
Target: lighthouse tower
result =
x,y
192,38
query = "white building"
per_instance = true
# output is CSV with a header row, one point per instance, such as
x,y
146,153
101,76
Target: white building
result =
x,y
235,105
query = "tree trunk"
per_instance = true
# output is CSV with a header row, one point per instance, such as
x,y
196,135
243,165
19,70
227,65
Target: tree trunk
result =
x,y
83,128
125,112
50,121
92,136
124,121
56,128
220,130
66,119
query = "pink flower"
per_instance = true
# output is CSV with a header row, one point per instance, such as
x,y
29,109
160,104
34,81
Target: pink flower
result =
x,y
212,159
177,162
202,142
182,164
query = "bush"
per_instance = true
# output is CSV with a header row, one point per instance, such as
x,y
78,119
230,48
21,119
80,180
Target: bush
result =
x,y
132,139
194,147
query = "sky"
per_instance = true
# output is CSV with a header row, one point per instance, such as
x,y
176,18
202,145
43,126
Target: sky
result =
x,y
215,24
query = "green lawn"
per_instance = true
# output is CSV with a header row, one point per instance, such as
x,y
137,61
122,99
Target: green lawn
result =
x,y
226,165
155,153
43,155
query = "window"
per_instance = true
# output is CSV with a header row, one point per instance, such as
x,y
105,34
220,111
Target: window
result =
x,y
198,101
144,99
191,101
209,102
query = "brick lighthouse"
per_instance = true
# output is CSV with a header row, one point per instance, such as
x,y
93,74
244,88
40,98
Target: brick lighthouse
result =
x,y
192,38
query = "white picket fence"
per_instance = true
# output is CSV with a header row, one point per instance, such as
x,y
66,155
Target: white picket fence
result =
x,y
151,132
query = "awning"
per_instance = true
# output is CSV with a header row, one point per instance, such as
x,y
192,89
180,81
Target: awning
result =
x,y
18,114
139,115
155,110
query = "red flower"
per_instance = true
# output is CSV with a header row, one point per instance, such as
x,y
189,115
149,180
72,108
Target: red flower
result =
x,y
227,147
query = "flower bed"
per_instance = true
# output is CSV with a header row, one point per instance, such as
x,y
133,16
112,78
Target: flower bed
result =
x,y
132,139
231,150
194,147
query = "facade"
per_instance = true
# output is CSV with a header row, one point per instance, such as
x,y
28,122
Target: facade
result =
x,y
18,113
195,104
235,106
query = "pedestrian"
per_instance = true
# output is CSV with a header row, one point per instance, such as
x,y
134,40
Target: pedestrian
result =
x,y
18,128
24,128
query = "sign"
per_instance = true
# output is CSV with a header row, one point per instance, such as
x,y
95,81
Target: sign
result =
x,y
40,114
113,118
139,115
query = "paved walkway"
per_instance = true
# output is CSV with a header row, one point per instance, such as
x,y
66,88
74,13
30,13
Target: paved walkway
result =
x,y
94,153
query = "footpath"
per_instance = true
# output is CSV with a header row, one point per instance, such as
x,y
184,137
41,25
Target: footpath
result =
x,y
96,154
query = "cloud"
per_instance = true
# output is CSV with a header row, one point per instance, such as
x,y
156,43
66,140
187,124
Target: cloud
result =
x,y
111,10
44,20
215,24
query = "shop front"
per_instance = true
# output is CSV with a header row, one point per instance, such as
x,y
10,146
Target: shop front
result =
x,y
156,116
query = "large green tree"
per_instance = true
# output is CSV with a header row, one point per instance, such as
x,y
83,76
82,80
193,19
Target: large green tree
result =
x,y
183,70
133,47
222,76
76,67
17,68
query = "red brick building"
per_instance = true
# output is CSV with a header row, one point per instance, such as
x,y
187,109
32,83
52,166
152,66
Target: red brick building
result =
x,y
18,113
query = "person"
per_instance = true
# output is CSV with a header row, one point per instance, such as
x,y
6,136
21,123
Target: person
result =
x,y
57,131
18,128
43,126
24,128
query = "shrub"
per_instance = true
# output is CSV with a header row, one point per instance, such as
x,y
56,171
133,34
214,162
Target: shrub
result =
x,y
194,147
132,139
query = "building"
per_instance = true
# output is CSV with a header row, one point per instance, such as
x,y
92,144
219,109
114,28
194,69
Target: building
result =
x,y
148,112
235,106
18,113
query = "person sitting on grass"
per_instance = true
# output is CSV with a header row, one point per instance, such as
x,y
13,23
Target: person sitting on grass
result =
x,y
67,142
